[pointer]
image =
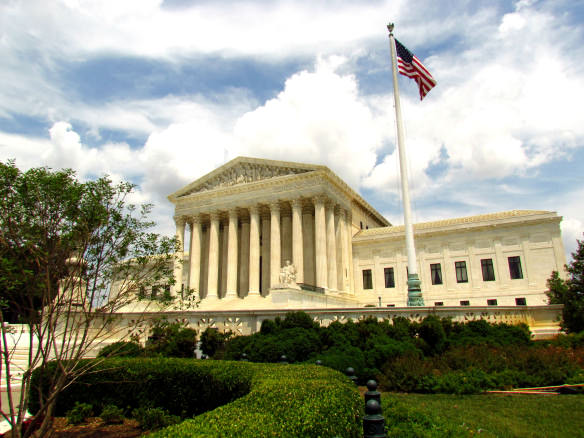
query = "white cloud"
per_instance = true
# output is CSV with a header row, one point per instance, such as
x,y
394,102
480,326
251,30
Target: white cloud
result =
x,y
319,118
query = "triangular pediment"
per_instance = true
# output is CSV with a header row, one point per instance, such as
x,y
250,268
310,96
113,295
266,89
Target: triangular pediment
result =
x,y
241,171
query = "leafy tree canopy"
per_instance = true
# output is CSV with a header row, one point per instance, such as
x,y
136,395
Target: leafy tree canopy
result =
x,y
570,292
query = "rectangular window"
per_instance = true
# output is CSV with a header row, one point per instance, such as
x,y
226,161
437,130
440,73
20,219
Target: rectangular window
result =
x,y
465,303
154,292
439,303
367,279
488,271
491,302
436,273
391,305
520,302
461,276
515,268
389,279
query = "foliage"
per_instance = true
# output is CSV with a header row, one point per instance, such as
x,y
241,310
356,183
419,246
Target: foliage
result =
x,y
242,399
111,414
79,413
285,401
171,340
71,254
122,349
213,341
154,418
184,387
570,292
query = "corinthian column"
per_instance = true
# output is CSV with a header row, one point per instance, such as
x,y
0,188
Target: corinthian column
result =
x,y
195,255
344,251
254,251
331,246
297,240
275,259
231,290
212,283
179,255
320,241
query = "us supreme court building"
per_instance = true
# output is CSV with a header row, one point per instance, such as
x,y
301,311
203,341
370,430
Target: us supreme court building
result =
x,y
261,237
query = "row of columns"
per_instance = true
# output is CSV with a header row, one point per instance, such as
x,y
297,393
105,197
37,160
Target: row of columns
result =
x,y
331,225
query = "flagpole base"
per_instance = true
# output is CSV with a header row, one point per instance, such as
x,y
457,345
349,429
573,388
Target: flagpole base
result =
x,y
414,291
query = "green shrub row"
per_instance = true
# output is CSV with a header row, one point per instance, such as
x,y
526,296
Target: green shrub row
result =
x,y
239,399
467,370
184,387
284,401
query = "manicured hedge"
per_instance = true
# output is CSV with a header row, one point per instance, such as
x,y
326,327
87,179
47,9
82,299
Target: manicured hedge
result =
x,y
184,387
284,401
255,400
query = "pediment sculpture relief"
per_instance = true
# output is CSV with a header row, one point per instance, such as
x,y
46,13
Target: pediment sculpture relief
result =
x,y
246,173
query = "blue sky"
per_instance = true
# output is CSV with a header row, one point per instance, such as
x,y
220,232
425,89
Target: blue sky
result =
x,y
161,92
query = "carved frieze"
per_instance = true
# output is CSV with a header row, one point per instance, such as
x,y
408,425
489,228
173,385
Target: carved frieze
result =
x,y
244,173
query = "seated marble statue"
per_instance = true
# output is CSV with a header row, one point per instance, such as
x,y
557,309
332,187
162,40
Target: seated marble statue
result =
x,y
288,273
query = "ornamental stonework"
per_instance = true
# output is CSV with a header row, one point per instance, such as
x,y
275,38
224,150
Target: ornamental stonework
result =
x,y
244,173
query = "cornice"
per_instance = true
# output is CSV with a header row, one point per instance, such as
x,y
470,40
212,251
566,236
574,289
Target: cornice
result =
x,y
470,223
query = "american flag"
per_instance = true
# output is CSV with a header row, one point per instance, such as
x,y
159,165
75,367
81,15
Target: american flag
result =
x,y
409,65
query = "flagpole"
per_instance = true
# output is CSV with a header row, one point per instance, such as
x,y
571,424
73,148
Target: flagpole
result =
x,y
414,283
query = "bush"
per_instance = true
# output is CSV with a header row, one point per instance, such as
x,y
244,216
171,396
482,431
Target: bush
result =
x,y
184,387
122,349
79,413
111,414
278,400
171,340
154,418
212,341
285,401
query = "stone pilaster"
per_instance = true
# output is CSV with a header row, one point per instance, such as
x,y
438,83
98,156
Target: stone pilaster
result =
x,y
331,247
344,251
275,254
349,224
195,255
254,251
178,262
213,279
244,262
297,240
308,237
231,289
320,241
265,239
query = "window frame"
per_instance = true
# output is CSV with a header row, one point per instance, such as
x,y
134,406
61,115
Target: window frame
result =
x,y
515,270
521,301
436,268
465,303
367,279
389,272
492,302
488,268
463,277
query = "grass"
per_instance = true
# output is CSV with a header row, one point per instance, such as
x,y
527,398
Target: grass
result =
x,y
444,415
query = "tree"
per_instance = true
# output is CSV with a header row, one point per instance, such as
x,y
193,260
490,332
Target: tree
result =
x,y
71,255
570,292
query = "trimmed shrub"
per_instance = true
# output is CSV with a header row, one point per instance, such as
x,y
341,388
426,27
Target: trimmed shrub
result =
x,y
266,400
154,418
79,413
184,387
122,349
111,414
171,340
285,401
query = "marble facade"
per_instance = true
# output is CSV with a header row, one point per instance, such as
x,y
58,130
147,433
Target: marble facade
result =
x,y
240,224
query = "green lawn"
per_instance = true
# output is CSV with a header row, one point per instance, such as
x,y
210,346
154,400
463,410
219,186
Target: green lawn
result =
x,y
438,415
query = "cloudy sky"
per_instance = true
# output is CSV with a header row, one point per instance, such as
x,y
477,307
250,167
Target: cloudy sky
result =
x,y
161,92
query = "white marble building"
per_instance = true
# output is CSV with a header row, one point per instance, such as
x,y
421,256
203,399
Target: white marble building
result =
x,y
243,221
